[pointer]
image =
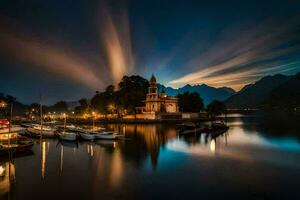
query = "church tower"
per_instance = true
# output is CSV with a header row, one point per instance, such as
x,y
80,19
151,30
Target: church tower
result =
x,y
152,90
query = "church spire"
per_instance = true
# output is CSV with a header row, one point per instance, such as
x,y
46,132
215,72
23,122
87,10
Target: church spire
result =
x,y
152,79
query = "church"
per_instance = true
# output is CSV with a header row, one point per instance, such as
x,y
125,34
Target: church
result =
x,y
158,103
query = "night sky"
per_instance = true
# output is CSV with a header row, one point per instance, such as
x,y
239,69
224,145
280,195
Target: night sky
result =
x,y
68,49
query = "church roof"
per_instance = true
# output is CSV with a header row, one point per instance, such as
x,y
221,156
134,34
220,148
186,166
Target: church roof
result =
x,y
152,79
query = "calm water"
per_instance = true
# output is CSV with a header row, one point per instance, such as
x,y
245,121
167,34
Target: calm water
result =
x,y
251,161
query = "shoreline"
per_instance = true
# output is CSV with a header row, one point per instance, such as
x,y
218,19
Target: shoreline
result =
x,y
128,121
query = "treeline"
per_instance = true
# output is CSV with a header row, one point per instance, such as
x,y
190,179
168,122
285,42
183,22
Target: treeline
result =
x,y
21,109
131,92
5,106
123,99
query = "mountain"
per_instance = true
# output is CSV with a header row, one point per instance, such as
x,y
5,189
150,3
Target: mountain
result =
x,y
255,95
207,93
286,95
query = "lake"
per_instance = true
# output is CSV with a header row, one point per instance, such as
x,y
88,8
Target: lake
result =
x,y
256,158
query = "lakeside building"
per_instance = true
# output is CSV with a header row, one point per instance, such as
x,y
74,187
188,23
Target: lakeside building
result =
x,y
158,106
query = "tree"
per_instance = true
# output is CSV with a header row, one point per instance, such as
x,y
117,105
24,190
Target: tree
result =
x,y
190,102
216,108
102,100
132,91
84,106
59,107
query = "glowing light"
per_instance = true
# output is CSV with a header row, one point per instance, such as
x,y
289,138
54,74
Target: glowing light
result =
x,y
2,104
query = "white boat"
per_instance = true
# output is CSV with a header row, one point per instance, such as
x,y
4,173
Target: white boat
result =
x,y
67,136
92,129
87,135
35,131
73,128
98,128
45,128
108,135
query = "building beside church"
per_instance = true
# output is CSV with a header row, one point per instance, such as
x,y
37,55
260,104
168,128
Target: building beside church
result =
x,y
157,105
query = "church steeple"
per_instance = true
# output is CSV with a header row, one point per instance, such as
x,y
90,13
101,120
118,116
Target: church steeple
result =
x,y
152,91
152,79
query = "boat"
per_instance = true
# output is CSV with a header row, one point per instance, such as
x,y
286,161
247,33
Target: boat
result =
x,y
19,146
87,135
26,125
192,130
108,135
219,131
67,136
35,131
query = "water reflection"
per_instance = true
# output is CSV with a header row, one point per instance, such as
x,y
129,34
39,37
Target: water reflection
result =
x,y
61,158
213,145
44,158
147,138
116,168
7,178
150,153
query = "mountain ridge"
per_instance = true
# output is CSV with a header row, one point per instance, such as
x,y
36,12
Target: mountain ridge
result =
x,y
208,93
261,94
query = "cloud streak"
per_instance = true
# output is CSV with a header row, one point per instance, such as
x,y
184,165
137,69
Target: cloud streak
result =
x,y
37,54
242,56
116,40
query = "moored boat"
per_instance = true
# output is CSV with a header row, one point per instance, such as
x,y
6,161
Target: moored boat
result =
x,y
67,136
21,145
87,135
192,131
216,132
108,135
36,130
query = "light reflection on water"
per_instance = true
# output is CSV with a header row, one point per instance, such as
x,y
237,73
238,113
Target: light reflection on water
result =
x,y
149,157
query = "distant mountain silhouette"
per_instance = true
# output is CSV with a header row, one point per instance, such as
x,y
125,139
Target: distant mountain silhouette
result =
x,y
263,92
206,92
286,95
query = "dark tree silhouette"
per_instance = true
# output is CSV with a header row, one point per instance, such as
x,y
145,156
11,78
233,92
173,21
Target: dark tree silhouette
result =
x,y
216,108
102,100
59,107
190,102
130,94
84,106
132,91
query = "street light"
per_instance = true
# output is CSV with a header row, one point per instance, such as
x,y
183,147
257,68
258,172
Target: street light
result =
x,y
2,104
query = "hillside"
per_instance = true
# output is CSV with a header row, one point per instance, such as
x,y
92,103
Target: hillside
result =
x,y
257,94
286,95
207,93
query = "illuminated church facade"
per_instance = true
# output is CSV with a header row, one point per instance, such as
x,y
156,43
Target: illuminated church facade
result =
x,y
158,103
